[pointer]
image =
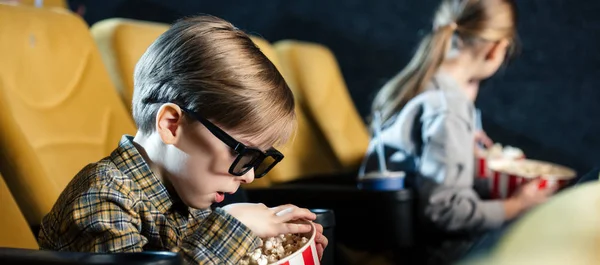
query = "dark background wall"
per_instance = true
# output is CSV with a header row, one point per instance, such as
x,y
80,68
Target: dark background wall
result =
x,y
546,101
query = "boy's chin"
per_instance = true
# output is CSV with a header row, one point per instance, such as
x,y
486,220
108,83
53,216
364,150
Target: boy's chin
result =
x,y
201,203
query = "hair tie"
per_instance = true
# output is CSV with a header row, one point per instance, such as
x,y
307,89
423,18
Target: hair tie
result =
x,y
453,26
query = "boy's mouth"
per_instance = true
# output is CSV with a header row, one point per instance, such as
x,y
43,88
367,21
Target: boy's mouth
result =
x,y
219,197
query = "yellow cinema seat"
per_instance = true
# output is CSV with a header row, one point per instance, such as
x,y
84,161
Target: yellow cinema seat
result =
x,y
564,230
58,109
45,3
14,230
322,92
307,153
122,42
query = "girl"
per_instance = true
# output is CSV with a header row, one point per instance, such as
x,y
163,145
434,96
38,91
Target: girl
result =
x,y
427,112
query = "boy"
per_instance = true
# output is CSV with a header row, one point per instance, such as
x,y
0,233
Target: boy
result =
x,y
209,106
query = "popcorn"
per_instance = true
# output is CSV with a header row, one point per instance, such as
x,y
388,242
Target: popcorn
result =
x,y
274,249
272,258
257,254
262,260
532,169
498,151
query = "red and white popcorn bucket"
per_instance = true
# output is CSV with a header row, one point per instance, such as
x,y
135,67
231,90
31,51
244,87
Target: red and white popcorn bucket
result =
x,y
508,175
481,162
307,255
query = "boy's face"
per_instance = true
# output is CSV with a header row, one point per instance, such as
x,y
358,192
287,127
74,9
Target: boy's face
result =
x,y
196,163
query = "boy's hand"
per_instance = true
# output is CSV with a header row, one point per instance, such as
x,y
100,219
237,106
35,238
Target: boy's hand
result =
x,y
320,240
269,222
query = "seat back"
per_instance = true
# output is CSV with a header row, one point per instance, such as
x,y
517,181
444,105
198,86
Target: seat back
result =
x,y
323,95
58,109
45,3
307,153
564,230
122,42
14,230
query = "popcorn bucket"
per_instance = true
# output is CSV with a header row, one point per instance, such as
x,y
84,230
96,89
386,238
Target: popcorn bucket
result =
x,y
482,169
508,175
307,255
496,152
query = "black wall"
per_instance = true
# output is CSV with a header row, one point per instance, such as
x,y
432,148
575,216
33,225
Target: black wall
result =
x,y
546,101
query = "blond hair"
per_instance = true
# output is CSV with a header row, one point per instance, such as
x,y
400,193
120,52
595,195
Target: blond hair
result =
x,y
207,65
457,24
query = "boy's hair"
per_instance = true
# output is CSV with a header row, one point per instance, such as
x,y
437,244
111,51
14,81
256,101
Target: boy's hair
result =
x,y
207,65
457,23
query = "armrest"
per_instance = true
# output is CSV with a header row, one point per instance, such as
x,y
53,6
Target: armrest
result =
x,y
30,256
365,220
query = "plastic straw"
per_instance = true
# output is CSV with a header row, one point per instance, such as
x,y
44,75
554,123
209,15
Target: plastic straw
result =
x,y
379,147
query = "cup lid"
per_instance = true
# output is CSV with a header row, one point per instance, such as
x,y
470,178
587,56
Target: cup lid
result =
x,y
325,217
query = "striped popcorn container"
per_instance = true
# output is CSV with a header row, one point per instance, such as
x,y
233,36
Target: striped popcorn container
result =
x,y
508,175
307,255
482,169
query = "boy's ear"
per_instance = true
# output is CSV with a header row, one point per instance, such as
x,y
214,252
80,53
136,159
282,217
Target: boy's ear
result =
x,y
169,119
497,50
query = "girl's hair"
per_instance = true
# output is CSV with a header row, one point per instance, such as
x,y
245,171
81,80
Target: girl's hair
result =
x,y
207,65
457,24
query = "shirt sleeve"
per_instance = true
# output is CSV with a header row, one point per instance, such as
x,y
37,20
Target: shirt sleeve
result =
x,y
104,220
450,202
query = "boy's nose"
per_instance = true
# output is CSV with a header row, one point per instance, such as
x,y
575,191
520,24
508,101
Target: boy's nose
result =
x,y
248,177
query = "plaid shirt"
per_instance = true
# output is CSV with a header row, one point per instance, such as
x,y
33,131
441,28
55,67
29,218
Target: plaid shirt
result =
x,y
119,205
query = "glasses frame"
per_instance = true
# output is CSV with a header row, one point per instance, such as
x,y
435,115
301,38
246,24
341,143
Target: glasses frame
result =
x,y
239,148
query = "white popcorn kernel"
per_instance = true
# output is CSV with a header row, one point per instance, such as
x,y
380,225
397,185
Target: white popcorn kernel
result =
x,y
279,250
273,258
269,245
303,240
512,152
279,241
260,242
256,255
263,260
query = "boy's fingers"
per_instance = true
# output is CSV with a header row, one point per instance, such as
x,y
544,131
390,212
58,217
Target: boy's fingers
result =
x,y
296,214
319,228
320,251
283,208
322,240
291,228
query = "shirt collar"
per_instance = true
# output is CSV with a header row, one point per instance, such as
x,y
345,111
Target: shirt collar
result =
x,y
130,162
